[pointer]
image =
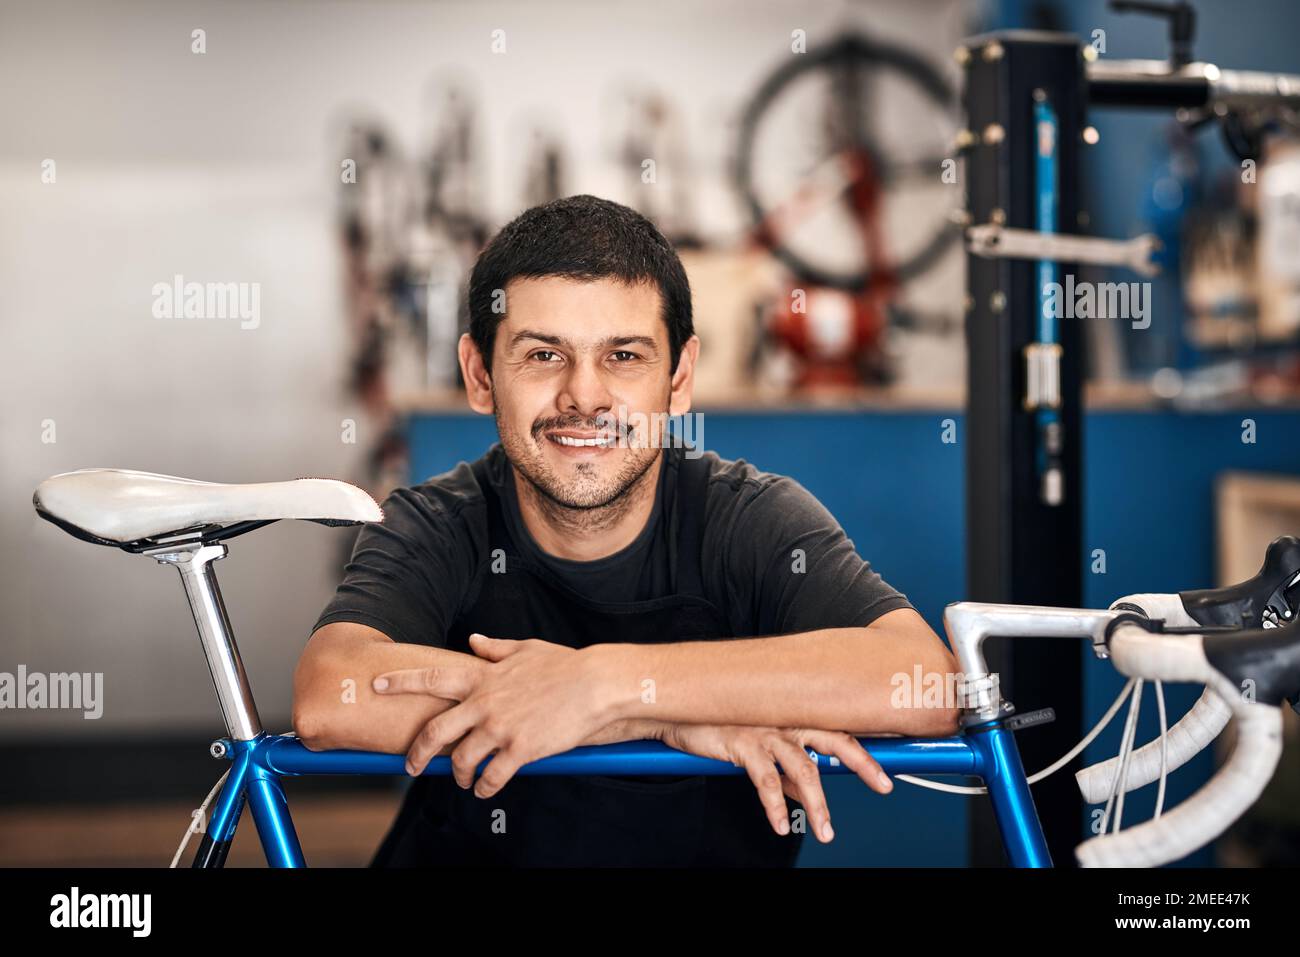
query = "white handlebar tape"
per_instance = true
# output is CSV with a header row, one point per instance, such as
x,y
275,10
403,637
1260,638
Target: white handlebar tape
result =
x,y
1168,607
1237,785
1188,736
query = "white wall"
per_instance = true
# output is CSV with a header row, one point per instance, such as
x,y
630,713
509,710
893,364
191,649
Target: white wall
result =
x,y
222,167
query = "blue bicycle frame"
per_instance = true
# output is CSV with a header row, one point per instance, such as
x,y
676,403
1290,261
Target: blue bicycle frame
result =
x,y
987,751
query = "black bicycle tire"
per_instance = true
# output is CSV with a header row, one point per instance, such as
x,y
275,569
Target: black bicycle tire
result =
x,y
853,45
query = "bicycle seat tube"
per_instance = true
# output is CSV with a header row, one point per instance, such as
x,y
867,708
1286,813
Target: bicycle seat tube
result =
x,y
194,562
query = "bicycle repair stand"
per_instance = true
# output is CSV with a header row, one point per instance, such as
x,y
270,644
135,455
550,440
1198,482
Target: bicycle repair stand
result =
x,y
1024,516
1026,96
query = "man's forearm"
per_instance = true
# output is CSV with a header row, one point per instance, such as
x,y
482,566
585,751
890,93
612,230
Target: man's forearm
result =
x,y
335,706
841,679
629,729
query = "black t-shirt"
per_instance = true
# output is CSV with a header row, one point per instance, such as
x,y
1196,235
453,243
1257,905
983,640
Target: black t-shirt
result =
x,y
774,560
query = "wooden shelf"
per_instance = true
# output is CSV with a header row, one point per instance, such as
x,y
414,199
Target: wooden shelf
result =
x,y
1097,396
745,400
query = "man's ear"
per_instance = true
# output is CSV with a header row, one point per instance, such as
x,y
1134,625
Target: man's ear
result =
x,y
679,402
478,381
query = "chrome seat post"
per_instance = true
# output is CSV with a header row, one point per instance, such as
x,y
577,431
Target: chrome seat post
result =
x,y
194,562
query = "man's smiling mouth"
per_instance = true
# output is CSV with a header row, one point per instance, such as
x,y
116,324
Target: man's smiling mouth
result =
x,y
579,441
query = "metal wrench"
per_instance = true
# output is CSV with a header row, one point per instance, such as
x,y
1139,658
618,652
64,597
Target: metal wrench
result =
x,y
998,242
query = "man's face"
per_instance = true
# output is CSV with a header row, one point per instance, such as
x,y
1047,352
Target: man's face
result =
x,y
572,361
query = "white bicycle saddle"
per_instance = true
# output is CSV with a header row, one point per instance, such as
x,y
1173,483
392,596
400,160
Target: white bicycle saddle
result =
x,y
122,507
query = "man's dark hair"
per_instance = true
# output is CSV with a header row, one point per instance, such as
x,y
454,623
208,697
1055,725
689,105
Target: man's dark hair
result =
x,y
584,238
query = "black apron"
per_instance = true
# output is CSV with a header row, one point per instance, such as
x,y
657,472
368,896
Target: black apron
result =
x,y
589,820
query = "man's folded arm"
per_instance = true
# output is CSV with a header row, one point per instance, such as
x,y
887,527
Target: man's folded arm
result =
x,y
334,705
836,679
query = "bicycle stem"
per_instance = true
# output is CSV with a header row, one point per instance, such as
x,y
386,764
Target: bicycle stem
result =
x,y
969,623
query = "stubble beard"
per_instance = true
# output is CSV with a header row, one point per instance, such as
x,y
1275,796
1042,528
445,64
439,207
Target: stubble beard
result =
x,y
584,504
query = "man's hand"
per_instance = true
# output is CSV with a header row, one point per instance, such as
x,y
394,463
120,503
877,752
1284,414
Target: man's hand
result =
x,y
759,750
531,700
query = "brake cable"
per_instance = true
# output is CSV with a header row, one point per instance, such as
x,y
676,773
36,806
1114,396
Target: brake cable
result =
x,y
198,816
1120,779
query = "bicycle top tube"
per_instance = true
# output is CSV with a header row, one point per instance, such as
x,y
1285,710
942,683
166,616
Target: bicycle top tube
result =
x,y
286,754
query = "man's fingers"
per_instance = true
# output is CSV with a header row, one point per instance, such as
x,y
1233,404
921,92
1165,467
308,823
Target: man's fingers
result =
x,y
765,777
852,755
499,771
476,747
807,780
493,649
452,682
451,725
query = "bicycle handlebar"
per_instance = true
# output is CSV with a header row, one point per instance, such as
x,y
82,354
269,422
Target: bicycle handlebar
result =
x,y
1238,784
1270,598
1188,736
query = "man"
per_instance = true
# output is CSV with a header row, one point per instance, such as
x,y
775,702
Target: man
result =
x,y
574,586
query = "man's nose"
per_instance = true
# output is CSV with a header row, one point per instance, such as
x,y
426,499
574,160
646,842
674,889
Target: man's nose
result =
x,y
584,390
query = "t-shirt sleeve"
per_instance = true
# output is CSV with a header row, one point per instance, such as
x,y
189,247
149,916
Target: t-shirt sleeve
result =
x,y
792,565
407,575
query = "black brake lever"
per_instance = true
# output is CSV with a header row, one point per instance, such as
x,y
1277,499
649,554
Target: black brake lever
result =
x,y
1269,599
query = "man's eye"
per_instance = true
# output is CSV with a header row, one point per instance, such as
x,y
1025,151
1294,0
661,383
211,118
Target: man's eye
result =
x,y
545,355
625,356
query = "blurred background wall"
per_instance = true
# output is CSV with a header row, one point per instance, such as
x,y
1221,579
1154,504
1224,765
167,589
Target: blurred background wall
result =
x,y
224,166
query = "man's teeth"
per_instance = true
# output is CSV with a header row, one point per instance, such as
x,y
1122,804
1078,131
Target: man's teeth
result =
x,y
568,440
